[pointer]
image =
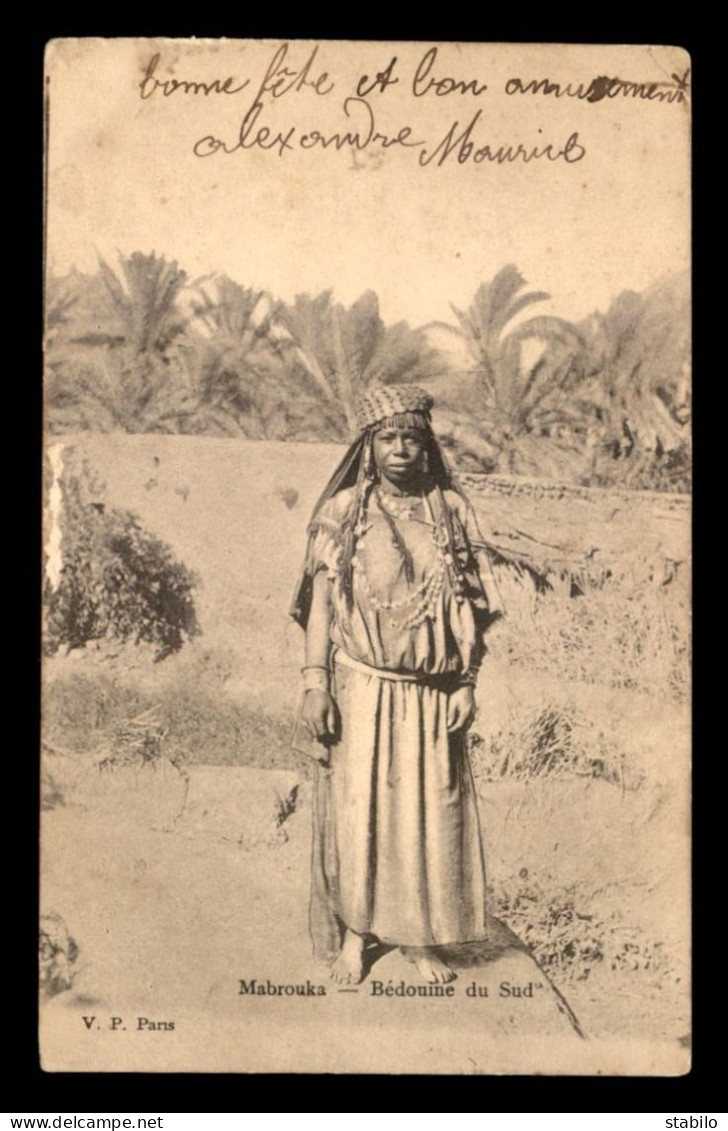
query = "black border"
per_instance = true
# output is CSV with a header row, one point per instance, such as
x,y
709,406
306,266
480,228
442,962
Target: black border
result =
x,y
35,1090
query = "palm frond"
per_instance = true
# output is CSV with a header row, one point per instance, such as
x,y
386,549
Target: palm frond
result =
x,y
501,318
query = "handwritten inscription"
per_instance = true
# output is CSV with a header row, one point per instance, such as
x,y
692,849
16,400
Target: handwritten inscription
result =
x,y
382,80
150,84
456,146
279,79
463,142
424,82
605,87
467,149
362,134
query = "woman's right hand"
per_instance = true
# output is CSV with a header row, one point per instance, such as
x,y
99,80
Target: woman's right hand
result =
x,y
319,714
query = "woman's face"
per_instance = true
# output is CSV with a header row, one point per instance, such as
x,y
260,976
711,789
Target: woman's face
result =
x,y
398,454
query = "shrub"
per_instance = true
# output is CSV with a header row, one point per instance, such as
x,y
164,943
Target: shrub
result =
x,y
116,581
551,739
571,935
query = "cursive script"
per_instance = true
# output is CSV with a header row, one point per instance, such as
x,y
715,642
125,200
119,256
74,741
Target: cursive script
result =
x,y
362,134
605,87
279,79
461,143
466,149
456,146
424,82
150,84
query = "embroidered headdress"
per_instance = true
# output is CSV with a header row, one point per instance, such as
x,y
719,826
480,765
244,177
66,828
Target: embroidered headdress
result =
x,y
404,405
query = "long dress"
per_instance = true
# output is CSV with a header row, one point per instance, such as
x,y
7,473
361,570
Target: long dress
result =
x,y
397,851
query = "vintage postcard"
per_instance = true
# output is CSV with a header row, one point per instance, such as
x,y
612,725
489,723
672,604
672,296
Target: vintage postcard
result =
x,y
367,482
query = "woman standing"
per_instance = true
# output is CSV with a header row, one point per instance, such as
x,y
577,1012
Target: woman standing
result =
x,y
395,595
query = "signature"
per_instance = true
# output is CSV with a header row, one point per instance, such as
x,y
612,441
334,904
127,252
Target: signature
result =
x,y
461,146
362,134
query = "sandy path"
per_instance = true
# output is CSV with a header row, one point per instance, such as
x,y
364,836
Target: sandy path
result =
x,y
170,922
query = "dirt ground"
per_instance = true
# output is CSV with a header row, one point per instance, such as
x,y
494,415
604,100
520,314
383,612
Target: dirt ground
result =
x,y
169,911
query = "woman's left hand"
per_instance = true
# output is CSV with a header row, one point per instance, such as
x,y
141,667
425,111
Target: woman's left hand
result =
x,y
460,708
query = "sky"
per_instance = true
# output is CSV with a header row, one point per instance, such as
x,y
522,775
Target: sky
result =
x,y
123,175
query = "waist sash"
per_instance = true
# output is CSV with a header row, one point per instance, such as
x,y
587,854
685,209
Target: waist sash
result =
x,y
444,680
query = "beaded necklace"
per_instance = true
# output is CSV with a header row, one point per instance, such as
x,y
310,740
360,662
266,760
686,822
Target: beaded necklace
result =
x,y
421,603
398,510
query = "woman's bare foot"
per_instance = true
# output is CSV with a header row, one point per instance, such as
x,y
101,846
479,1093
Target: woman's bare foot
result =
x,y
429,966
348,969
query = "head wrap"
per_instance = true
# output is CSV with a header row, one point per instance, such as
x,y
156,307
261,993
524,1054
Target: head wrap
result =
x,y
387,402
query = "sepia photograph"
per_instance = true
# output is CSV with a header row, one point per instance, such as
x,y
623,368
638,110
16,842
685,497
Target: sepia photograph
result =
x,y
366,558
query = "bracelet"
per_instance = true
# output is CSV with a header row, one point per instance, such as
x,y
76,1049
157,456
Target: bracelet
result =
x,y
316,677
469,678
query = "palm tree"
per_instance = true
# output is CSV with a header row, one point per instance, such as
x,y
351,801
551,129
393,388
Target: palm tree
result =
x,y
526,374
120,368
144,301
345,350
61,296
230,353
636,368
61,299
249,380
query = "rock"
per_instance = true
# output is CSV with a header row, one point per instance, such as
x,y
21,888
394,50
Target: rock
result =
x,y
58,953
51,793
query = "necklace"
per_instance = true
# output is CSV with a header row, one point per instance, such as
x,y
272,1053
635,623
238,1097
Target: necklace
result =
x,y
398,510
419,605
421,602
